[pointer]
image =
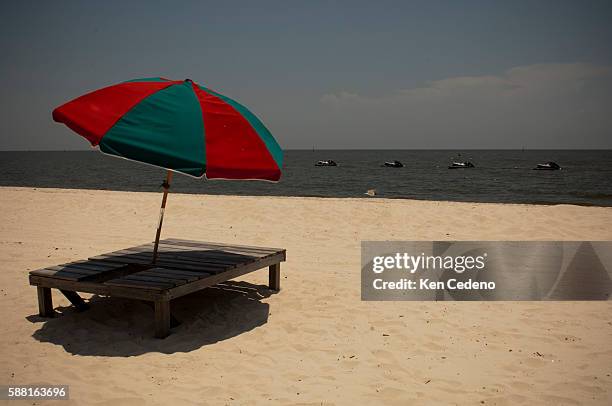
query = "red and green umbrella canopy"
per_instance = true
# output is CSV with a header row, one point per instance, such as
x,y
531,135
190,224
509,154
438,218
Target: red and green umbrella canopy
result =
x,y
177,125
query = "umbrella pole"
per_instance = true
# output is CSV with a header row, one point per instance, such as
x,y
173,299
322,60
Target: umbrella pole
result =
x,y
166,186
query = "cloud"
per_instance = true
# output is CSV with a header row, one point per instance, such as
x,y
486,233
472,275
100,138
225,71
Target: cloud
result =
x,y
537,106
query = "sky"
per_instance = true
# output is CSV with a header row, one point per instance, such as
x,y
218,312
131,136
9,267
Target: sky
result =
x,y
333,74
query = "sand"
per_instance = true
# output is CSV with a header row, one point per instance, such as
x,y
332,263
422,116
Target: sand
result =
x,y
315,342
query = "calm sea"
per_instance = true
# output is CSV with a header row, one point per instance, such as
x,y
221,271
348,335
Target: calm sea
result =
x,y
500,175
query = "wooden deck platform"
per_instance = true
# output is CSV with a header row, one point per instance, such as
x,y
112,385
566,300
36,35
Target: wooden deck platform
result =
x,y
182,267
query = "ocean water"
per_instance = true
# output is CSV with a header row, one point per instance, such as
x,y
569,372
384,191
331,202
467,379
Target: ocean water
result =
x,y
499,176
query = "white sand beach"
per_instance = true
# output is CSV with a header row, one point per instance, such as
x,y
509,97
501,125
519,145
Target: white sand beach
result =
x,y
314,342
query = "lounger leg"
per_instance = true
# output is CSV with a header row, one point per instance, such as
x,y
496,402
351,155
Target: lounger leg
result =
x,y
162,318
75,299
173,320
45,302
274,277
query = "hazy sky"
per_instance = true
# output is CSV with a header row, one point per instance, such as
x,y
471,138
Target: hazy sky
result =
x,y
375,74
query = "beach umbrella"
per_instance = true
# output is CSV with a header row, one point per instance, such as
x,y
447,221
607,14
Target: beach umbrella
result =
x,y
180,126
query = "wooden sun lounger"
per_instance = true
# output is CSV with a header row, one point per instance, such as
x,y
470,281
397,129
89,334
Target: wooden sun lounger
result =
x,y
182,267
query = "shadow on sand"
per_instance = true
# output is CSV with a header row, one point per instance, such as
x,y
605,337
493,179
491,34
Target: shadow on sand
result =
x,y
116,327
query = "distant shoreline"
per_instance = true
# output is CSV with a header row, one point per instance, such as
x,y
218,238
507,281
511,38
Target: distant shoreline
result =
x,y
356,198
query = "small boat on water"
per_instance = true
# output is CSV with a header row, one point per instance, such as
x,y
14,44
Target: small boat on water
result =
x,y
548,166
461,165
329,162
393,164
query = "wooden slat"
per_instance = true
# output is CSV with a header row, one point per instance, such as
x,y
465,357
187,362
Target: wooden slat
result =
x,y
179,272
218,244
191,265
69,276
97,263
221,247
202,257
217,251
198,244
160,262
178,280
198,257
92,265
170,275
72,269
172,282
138,284
215,254
146,258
